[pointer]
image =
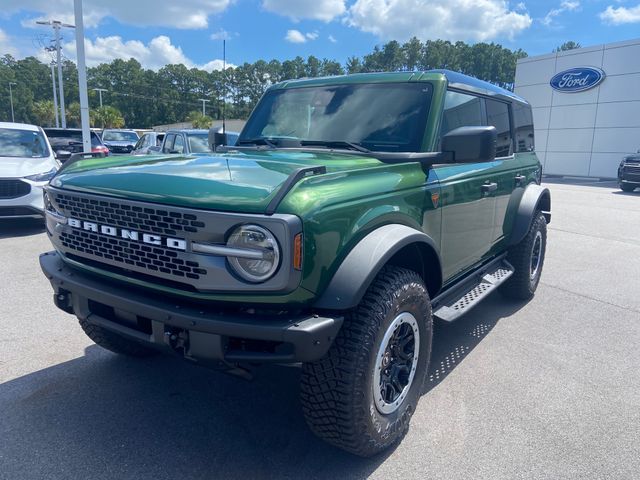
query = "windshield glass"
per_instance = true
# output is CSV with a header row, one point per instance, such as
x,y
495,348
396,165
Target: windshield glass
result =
x,y
381,117
22,143
199,142
120,136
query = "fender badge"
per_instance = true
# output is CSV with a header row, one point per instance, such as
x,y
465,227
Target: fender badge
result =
x,y
435,199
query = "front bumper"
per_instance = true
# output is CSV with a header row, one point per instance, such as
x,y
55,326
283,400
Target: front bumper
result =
x,y
29,205
201,333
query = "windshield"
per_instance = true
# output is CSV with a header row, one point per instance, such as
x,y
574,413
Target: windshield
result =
x,y
381,117
22,143
119,136
199,142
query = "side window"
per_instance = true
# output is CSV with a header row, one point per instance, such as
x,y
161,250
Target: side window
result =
x,y
168,144
523,122
461,110
178,145
140,143
498,116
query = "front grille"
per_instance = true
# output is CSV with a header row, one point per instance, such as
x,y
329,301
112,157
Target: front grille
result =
x,y
112,212
154,258
13,188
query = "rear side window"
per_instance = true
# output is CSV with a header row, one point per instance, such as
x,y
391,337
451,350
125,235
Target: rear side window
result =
x,y
461,110
523,123
168,144
498,116
178,145
95,139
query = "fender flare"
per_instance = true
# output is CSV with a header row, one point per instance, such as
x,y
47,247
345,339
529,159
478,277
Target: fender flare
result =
x,y
365,260
534,198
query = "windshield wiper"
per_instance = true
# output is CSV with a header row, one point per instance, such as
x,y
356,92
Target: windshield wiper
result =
x,y
335,144
257,141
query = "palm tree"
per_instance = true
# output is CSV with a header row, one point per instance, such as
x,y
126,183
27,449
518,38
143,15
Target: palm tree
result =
x,y
43,112
107,117
198,120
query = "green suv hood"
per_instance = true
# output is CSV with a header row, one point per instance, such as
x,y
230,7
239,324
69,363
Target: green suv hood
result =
x,y
235,181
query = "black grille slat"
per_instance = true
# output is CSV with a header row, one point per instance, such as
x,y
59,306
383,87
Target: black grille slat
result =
x,y
14,188
127,253
125,216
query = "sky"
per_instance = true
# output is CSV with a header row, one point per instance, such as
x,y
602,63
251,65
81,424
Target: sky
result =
x,y
158,32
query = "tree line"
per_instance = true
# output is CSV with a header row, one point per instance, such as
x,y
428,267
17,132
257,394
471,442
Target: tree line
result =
x,y
141,98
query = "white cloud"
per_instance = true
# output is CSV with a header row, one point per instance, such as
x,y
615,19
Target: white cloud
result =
x,y
6,45
475,20
187,14
221,34
565,6
620,15
311,35
325,10
154,55
332,39
295,36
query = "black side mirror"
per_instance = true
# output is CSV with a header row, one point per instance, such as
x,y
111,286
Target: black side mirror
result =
x,y
471,144
217,139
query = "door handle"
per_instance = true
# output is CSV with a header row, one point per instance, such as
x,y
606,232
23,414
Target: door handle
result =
x,y
489,187
519,179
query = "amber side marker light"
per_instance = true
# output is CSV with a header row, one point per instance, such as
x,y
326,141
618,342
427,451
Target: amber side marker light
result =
x,y
297,252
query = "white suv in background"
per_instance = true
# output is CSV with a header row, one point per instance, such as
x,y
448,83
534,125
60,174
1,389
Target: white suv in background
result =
x,y
27,163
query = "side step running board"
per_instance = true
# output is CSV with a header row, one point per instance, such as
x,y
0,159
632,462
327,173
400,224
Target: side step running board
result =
x,y
472,292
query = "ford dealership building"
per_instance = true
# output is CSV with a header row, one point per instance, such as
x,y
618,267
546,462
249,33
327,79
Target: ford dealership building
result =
x,y
586,107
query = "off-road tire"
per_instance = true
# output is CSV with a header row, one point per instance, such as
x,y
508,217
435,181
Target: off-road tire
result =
x,y
522,284
625,187
114,342
337,391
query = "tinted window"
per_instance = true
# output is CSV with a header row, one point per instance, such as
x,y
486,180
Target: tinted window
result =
x,y
168,144
178,145
199,143
461,110
63,138
498,116
523,123
118,136
22,143
382,117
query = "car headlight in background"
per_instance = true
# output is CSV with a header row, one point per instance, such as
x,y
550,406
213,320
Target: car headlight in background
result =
x,y
42,177
258,253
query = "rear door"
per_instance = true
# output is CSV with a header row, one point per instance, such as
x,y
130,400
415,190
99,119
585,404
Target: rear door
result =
x,y
468,207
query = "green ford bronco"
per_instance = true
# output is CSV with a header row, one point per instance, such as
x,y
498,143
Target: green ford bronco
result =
x,y
352,212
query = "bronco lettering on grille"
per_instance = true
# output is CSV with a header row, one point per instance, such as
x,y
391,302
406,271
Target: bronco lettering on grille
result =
x,y
176,243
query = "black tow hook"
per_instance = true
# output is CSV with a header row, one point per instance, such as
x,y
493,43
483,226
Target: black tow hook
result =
x,y
178,340
62,300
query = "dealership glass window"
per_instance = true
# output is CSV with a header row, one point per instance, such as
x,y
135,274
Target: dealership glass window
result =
x,y
498,116
461,110
523,122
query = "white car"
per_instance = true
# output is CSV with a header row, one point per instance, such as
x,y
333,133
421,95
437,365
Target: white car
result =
x,y
27,163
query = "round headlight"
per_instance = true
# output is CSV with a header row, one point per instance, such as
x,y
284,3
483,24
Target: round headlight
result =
x,y
258,253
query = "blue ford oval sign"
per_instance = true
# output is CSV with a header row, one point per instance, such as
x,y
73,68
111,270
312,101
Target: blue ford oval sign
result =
x,y
577,79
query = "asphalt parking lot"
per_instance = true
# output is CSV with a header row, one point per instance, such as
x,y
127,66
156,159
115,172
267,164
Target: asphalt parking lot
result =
x,y
545,389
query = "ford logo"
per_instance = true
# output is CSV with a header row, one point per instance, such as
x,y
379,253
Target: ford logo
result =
x,y
577,79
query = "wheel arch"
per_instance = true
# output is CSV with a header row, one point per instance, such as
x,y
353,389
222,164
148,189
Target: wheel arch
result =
x,y
535,198
392,244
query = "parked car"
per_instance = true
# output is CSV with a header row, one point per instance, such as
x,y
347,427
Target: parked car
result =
x,y
119,141
150,142
27,163
191,141
67,141
629,172
351,213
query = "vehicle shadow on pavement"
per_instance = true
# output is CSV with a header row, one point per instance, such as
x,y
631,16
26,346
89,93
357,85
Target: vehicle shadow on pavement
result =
x,y
452,342
21,227
105,416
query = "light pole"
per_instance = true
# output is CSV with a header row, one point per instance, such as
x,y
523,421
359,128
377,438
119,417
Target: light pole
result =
x,y
82,77
100,90
55,95
57,25
204,102
11,99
